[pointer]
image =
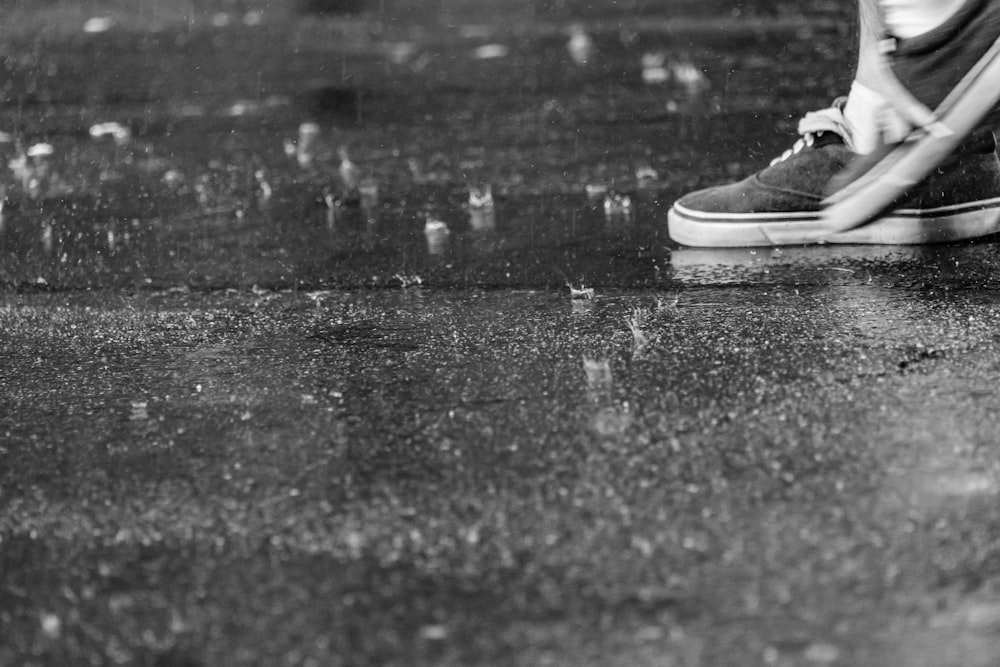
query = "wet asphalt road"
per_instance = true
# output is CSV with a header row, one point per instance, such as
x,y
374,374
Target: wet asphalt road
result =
x,y
241,429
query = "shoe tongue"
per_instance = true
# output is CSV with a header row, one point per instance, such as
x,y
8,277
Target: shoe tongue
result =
x,y
826,123
827,138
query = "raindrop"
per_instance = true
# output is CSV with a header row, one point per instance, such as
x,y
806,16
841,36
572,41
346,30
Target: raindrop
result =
x,y
368,189
40,150
617,207
636,323
21,170
262,189
98,24
480,197
241,108
822,654
400,53
580,292
689,78
490,52
140,411
120,133
434,632
177,624
595,190
405,281
654,69
305,148
205,192
580,45
646,175
350,174
48,237
51,626
332,204
173,179
437,234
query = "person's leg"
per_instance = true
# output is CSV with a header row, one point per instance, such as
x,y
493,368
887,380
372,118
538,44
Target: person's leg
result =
x,y
867,111
869,36
906,19
933,43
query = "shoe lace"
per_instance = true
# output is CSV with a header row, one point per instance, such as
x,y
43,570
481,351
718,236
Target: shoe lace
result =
x,y
816,123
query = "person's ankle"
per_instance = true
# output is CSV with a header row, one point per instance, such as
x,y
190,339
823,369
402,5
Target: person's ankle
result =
x,y
871,120
930,65
916,19
953,26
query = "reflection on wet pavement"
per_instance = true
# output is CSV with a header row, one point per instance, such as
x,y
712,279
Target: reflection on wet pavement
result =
x,y
965,265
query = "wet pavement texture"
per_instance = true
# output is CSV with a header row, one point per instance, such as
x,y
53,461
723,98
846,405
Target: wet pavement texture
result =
x,y
321,407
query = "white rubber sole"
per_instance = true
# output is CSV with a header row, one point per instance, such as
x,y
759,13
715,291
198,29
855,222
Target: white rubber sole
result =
x,y
945,224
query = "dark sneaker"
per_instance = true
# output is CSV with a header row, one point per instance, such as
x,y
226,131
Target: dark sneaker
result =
x,y
783,203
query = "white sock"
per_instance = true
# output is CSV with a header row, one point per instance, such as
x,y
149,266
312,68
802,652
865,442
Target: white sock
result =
x,y
910,18
871,119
